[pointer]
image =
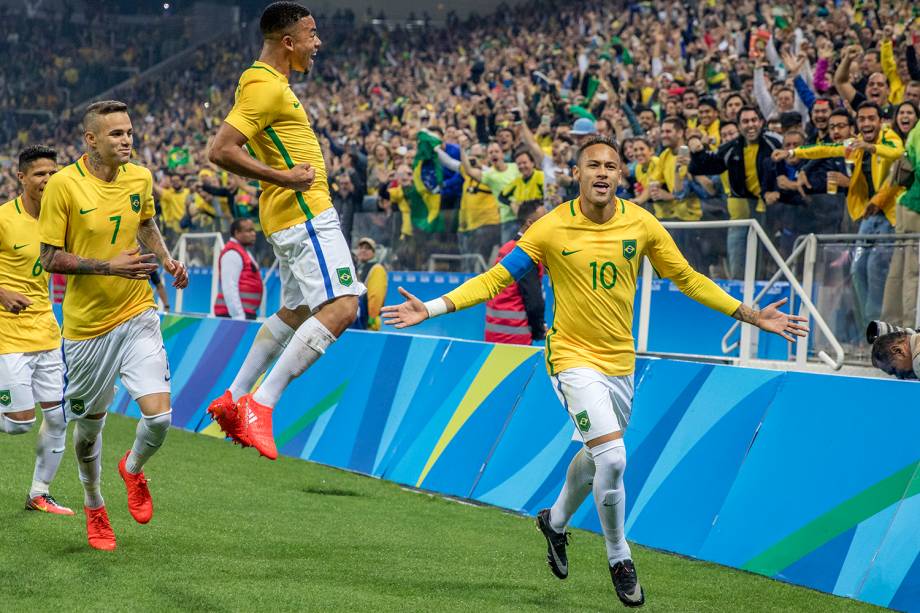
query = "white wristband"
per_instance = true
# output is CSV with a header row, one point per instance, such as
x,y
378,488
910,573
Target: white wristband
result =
x,y
436,307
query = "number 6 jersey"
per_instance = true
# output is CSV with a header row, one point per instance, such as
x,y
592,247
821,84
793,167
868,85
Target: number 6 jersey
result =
x,y
35,328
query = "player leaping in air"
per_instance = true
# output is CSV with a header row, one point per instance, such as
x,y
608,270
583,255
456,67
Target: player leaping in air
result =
x,y
94,213
592,247
319,288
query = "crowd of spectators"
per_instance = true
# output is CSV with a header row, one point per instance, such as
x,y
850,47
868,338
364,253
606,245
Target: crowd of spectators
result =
x,y
790,113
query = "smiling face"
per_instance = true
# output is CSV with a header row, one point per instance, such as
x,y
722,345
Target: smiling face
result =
x,y
906,118
598,174
877,88
111,137
839,128
304,44
868,123
751,125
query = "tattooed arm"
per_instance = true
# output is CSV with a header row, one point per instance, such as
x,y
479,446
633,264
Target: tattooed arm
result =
x,y
149,236
128,264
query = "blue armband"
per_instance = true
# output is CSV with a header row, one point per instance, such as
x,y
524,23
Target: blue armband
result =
x,y
517,263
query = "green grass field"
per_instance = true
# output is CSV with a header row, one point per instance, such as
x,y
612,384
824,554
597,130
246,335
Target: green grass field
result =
x,y
233,532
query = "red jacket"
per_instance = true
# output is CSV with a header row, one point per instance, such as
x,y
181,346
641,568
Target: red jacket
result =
x,y
506,314
250,283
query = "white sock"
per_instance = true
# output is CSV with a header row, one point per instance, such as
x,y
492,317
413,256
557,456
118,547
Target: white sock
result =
x,y
610,497
308,343
149,436
270,341
49,450
11,426
577,486
87,446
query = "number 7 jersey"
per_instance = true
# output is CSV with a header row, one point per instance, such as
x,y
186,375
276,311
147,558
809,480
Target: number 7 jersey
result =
x,y
92,218
35,328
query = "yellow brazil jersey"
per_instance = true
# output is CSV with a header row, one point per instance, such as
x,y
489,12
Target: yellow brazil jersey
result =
x,y
478,206
684,209
35,328
521,189
268,113
92,218
646,172
172,203
594,270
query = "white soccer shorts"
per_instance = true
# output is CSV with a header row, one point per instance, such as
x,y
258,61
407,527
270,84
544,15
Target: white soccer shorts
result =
x,y
598,404
314,262
27,378
133,349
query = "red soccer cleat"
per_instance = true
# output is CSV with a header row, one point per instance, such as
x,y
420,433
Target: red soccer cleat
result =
x,y
47,504
98,529
258,422
227,415
140,504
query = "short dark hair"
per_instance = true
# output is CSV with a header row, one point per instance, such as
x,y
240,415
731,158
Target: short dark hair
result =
x,y
279,16
504,129
733,95
868,104
843,113
526,152
596,139
526,209
710,102
882,350
677,122
728,122
237,224
747,108
33,153
100,108
790,119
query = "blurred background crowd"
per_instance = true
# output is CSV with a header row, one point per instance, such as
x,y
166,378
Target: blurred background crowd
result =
x,y
790,113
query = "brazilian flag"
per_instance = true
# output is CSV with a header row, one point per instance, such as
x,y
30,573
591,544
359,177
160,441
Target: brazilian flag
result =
x,y
424,195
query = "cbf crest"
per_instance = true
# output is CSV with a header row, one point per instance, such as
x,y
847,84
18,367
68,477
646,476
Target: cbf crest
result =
x,y
136,203
629,249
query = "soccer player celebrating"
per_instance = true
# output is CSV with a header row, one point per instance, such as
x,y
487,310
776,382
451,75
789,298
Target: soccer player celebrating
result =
x,y
94,212
592,247
319,288
30,359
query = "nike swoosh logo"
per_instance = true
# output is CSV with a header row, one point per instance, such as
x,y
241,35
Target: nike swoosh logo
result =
x,y
18,247
564,567
85,211
296,105
565,252
167,378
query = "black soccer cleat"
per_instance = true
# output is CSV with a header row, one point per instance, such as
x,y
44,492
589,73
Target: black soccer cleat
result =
x,y
555,545
626,584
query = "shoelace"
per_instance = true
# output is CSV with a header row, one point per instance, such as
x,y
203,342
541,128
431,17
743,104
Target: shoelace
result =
x,y
141,481
100,522
627,574
50,500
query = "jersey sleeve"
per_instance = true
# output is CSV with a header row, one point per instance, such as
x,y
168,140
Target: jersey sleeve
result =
x,y
482,287
255,107
148,210
671,264
52,221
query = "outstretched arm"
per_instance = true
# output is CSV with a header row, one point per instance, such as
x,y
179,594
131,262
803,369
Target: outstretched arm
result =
x,y
474,291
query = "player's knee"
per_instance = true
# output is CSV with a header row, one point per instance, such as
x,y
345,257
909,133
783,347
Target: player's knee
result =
x,y
53,420
157,427
13,426
610,457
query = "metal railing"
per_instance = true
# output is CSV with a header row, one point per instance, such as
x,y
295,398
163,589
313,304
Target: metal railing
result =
x,y
747,343
180,251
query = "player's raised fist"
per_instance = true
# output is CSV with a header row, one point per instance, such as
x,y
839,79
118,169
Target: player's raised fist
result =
x,y
299,177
